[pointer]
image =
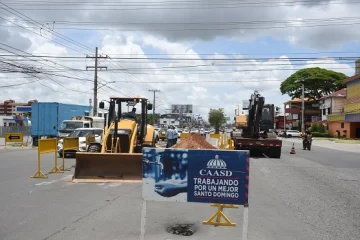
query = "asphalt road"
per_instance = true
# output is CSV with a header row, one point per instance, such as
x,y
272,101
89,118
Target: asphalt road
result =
x,y
310,195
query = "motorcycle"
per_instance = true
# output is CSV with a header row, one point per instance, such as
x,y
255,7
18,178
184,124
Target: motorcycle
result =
x,y
307,143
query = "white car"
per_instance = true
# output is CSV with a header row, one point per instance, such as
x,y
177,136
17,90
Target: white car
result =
x,y
81,133
293,133
194,130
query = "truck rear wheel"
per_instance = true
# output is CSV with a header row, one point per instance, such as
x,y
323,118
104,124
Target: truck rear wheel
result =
x,y
275,152
94,148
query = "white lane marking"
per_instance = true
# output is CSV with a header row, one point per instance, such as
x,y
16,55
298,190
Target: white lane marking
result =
x,y
100,184
112,185
143,220
67,177
264,170
245,223
44,183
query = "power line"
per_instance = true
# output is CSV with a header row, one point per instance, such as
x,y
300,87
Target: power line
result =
x,y
172,29
173,6
341,58
40,70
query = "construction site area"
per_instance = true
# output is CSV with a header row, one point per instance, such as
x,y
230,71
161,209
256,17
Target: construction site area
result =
x,y
279,206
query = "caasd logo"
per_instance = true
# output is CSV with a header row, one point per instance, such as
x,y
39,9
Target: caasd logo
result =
x,y
216,167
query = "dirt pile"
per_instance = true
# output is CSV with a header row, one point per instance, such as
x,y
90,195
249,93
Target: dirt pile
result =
x,y
195,141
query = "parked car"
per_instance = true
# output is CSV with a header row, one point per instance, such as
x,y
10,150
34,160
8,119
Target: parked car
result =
x,y
293,133
162,134
81,133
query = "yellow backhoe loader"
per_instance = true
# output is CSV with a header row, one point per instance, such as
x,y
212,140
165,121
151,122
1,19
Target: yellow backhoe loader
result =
x,y
118,158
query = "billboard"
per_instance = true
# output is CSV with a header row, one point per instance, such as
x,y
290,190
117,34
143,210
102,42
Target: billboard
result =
x,y
195,175
184,108
245,104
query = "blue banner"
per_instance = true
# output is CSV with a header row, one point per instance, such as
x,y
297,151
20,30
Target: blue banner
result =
x,y
191,175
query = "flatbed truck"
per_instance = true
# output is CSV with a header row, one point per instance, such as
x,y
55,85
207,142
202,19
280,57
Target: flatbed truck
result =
x,y
251,137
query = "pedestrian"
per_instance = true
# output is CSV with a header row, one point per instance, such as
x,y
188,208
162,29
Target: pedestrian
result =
x,y
169,137
176,135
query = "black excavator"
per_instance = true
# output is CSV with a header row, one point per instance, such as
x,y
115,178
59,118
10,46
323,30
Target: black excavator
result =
x,y
252,138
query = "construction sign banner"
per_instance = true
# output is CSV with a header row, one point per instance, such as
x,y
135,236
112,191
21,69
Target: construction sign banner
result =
x,y
192,175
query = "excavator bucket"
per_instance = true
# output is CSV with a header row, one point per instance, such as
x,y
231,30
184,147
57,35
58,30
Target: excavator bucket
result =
x,y
108,167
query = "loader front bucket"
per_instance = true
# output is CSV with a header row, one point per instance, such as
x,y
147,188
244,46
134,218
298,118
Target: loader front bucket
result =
x,y
108,167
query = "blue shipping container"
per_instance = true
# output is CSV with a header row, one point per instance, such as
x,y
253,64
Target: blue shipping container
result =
x,y
46,117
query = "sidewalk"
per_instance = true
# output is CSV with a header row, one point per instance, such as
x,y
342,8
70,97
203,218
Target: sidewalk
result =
x,y
346,147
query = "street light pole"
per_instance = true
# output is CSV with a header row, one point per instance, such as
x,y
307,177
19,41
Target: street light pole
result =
x,y
302,110
284,117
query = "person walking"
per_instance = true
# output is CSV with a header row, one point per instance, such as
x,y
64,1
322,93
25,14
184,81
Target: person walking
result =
x,y
176,135
169,137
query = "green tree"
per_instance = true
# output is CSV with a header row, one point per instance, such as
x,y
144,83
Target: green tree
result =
x,y
314,127
150,118
27,114
322,128
216,118
318,82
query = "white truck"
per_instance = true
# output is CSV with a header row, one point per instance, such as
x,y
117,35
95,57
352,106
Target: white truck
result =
x,y
67,126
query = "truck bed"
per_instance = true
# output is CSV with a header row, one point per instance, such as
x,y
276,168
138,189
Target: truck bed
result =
x,y
271,147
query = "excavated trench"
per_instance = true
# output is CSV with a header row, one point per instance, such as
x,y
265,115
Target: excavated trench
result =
x,y
182,229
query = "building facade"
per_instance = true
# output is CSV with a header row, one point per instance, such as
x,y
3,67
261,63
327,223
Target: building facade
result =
x,y
332,103
347,123
293,112
10,107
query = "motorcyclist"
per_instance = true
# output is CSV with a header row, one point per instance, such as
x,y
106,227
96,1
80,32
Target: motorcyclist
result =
x,y
307,137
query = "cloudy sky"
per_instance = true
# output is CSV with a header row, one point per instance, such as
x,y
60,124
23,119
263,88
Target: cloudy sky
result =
x,y
207,53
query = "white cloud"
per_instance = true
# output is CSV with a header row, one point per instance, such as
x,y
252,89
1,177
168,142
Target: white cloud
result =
x,y
225,87
315,24
198,81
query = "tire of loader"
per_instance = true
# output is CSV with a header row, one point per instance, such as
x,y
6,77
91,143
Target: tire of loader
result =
x,y
94,148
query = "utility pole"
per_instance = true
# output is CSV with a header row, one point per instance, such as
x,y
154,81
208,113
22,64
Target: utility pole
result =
x,y
89,104
180,115
302,111
154,91
284,117
96,67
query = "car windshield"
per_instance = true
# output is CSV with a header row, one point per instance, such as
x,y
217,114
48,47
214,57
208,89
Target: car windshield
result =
x,y
71,125
81,133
